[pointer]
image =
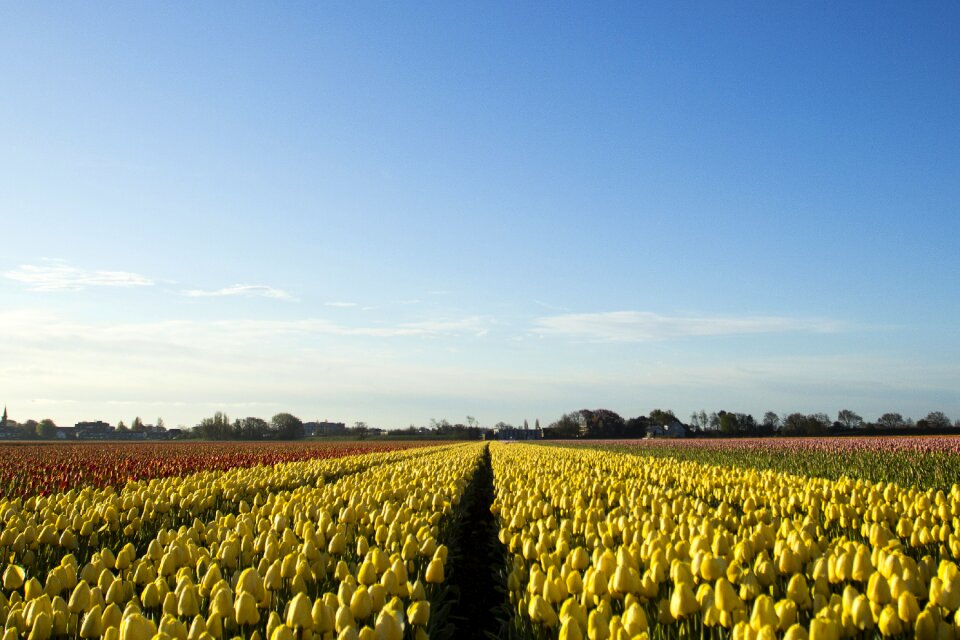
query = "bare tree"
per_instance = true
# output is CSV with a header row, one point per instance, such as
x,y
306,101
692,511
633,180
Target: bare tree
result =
x,y
849,419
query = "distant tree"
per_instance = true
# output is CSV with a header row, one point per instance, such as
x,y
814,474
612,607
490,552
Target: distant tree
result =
x,y
818,423
891,421
849,419
46,429
122,428
663,418
287,426
568,426
714,421
798,424
137,425
600,423
160,425
526,425
771,421
699,420
362,430
704,419
471,422
536,424
727,423
215,428
746,424
637,427
3,421
934,420
251,429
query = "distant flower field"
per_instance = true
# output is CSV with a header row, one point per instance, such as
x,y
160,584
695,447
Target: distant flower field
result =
x,y
739,540
922,461
29,469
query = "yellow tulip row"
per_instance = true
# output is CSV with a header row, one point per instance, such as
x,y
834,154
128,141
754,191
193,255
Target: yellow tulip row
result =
x,y
344,548
608,545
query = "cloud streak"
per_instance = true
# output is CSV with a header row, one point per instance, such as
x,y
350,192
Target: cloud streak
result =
x,y
43,327
645,326
58,276
241,290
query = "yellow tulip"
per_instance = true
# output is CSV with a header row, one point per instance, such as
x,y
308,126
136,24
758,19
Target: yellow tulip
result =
x,y
42,627
540,611
570,630
92,626
388,627
245,609
343,619
764,614
861,614
925,627
136,627
418,613
434,573
32,589
890,624
299,612
80,598
598,627
878,589
796,632
172,627
907,607
725,598
634,620
683,602
282,632
824,629
361,604
786,614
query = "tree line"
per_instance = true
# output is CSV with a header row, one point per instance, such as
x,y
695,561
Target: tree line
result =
x,y
603,423
283,426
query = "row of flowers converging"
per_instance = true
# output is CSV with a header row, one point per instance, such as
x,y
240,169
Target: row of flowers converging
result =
x,y
603,544
345,548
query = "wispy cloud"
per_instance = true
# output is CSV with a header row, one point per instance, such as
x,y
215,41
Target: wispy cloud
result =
x,y
34,326
56,275
342,305
245,290
645,326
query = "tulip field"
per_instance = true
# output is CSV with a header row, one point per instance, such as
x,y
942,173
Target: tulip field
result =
x,y
30,469
711,540
708,540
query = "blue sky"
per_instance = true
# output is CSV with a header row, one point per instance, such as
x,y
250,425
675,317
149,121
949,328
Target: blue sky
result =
x,y
398,212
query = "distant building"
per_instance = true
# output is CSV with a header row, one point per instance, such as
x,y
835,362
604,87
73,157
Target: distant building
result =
x,y
324,428
673,430
8,432
517,433
98,430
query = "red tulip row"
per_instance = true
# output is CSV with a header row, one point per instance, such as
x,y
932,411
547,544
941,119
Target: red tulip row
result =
x,y
31,469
